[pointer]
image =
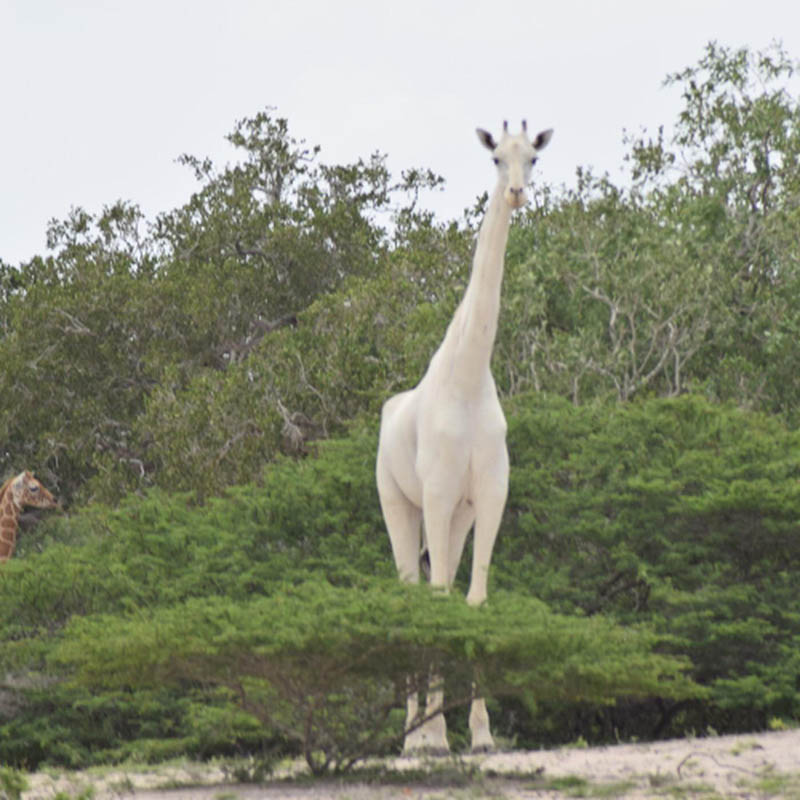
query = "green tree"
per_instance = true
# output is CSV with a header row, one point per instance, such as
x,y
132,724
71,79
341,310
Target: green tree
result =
x,y
264,237
330,666
128,328
675,511
78,329
728,183
684,279
602,298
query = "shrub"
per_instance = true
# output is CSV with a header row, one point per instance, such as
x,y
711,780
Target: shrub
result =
x,y
327,666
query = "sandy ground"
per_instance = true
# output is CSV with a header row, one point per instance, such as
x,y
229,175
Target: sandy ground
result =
x,y
764,765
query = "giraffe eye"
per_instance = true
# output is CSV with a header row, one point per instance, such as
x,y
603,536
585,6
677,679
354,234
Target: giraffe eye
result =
x,y
496,161
33,489
534,160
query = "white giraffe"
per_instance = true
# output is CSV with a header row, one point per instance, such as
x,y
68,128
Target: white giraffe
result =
x,y
442,456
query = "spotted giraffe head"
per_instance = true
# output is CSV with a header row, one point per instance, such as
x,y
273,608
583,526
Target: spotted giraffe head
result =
x,y
27,491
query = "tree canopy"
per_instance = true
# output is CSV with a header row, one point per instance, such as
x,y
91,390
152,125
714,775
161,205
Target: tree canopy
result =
x,y
287,297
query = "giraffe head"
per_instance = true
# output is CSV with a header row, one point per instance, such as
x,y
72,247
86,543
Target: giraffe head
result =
x,y
27,491
515,157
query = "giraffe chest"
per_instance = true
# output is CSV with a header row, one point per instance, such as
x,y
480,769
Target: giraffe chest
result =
x,y
458,443
462,415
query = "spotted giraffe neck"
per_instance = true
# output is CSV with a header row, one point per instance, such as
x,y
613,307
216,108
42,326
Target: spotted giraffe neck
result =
x,y
9,517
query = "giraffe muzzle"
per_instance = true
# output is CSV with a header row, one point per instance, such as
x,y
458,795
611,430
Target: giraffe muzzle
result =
x,y
516,197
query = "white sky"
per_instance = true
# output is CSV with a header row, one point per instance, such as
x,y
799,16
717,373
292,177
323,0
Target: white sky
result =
x,y
97,99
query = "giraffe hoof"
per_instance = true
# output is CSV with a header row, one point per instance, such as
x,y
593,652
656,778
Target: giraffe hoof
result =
x,y
483,749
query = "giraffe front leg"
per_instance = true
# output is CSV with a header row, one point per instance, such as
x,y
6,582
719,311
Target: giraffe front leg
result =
x,y
438,511
488,515
482,740
430,737
412,742
490,491
487,521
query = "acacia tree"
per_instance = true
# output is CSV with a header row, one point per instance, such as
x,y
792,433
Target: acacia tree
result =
x,y
329,667
679,511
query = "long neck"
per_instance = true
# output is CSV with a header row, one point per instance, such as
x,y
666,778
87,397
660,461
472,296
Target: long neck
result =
x,y
475,322
9,514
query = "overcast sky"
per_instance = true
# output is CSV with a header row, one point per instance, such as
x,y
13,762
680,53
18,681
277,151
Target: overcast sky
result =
x,y
99,98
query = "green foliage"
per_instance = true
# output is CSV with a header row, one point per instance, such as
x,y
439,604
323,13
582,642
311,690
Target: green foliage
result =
x,y
124,344
735,205
297,385
686,279
280,228
314,516
12,784
73,350
327,666
604,298
74,729
676,511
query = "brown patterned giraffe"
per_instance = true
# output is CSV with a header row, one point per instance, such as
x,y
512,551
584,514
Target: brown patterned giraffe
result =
x,y
16,493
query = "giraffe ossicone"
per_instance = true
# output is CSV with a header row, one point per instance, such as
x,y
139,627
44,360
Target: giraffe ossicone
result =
x,y
16,493
442,464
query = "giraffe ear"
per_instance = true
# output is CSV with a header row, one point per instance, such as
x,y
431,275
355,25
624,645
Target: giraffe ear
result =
x,y
541,140
486,138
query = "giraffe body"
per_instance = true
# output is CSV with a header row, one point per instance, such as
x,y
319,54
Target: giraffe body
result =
x,y
442,464
16,493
